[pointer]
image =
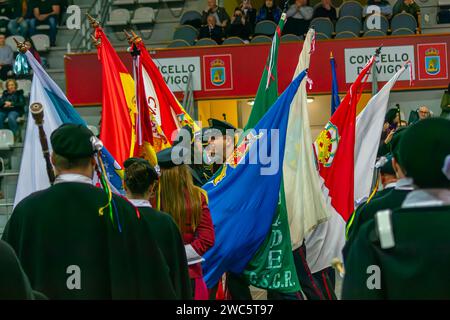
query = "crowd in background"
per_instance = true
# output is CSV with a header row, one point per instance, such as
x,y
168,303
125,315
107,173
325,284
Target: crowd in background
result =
x,y
218,25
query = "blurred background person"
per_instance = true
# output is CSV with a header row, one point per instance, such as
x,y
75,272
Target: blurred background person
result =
x,y
325,10
249,14
18,24
46,12
299,16
269,11
221,15
6,58
12,105
238,26
212,30
445,103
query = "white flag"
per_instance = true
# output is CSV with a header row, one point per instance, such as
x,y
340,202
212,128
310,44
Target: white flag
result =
x,y
305,203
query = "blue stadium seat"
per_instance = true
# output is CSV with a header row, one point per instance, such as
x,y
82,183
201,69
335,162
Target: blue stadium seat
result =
x,y
352,9
206,42
405,21
265,28
346,35
347,23
323,25
384,23
261,39
187,33
192,18
290,38
322,36
374,33
402,32
233,40
178,43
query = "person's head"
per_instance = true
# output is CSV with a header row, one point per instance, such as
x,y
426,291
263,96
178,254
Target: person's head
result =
x,y
73,150
211,20
140,179
403,123
238,13
178,194
423,150
220,140
2,39
11,85
424,112
246,3
301,2
212,4
392,117
387,172
269,3
29,44
326,2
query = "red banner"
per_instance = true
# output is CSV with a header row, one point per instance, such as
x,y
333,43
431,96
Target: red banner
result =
x,y
235,71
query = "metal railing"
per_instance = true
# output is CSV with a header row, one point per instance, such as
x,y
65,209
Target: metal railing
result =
x,y
81,40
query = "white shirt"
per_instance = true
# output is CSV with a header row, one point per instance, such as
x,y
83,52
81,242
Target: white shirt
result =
x,y
73,177
140,203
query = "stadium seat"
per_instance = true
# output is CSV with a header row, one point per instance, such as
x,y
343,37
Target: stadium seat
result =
x,y
25,85
179,43
233,40
119,17
402,32
41,42
192,18
143,16
206,42
374,33
404,21
384,23
265,28
10,41
323,25
261,39
43,27
186,33
6,139
351,24
123,3
352,9
93,129
346,35
321,36
290,38
148,1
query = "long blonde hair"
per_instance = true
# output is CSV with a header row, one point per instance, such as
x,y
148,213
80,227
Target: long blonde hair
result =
x,y
178,192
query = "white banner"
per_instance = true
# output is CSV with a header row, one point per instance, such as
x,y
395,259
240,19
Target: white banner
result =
x,y
391,60
175,72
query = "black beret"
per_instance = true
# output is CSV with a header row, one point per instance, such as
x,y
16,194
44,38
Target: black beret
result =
x,y
172,157
423,149
220,125
72,141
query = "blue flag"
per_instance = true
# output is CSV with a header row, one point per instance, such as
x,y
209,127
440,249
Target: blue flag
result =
x,y
335,100
243,197
57,110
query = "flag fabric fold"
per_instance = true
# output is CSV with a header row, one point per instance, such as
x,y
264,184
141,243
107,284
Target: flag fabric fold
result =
x,y
334,150
335,99
305,204
244,197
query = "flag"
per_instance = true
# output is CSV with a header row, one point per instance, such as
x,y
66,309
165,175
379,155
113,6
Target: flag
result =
x,y
118,106
267,92
272,267
305,203
369,125
57,110
334,150
167,113
335,100
243,219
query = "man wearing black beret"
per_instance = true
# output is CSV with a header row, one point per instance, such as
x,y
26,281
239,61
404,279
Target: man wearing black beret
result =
x,y
403,253
72,249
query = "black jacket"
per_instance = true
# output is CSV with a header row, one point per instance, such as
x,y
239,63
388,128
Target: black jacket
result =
x,y
17,99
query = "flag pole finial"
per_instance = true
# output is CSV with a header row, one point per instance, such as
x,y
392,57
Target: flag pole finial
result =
x,y
378,51
331,55
94,23
133,37
21,46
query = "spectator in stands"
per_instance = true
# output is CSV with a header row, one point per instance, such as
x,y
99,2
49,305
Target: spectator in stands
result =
x,y
239,26
30,46
383,5
6,58
12,105
222,17
269,11
45,12
299,15
325,10
445,104
408,6
212,30
17,14
424,112
249,13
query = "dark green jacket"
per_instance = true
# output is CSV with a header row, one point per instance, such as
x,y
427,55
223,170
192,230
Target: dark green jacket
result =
x,y
169,240
58,230
445,105
400,7
417,267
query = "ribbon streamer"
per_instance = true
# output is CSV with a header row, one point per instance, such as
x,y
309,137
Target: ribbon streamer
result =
x,y
21,66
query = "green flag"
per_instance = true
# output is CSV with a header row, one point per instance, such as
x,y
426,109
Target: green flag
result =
x,y
272,267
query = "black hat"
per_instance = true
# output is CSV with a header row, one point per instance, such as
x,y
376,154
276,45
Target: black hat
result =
x,y
220,125
387,167
423,149
72,141
172,157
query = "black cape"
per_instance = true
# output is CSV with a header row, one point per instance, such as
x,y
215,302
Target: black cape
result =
x,y
58,229
417,267
170,242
